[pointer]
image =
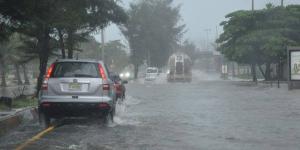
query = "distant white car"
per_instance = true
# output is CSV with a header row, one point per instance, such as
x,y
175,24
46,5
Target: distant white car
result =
x,y
126,75
151,73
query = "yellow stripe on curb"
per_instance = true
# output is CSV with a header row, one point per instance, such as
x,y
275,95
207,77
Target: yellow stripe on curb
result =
x,y
35,138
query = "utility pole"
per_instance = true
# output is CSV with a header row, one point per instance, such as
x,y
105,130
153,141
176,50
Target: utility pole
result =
x,y
281,3
253,65
207,38
217,36
102,42
148,58
217,32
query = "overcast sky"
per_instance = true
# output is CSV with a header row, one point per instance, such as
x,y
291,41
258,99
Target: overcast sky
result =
x,y
202,16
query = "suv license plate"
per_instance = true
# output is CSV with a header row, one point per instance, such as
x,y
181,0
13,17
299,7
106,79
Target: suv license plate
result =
x,y
75,87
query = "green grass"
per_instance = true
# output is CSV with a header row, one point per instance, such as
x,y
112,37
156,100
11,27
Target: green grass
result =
x,y
26,102
21,103
2,107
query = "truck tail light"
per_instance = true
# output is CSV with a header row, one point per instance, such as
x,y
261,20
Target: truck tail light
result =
x,y
118,87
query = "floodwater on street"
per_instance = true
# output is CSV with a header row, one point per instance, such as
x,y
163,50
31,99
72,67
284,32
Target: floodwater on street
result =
x,y
208,115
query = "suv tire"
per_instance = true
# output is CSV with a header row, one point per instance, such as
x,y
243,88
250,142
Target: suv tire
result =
x,y
109,117
44,120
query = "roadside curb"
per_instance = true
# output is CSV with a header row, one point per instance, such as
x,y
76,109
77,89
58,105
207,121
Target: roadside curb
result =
x,y
264,82
15,119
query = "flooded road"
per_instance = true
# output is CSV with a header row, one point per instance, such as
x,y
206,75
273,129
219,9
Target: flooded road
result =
x,y
208,115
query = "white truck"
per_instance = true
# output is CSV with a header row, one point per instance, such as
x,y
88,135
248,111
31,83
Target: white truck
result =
x,y
180,68
151,73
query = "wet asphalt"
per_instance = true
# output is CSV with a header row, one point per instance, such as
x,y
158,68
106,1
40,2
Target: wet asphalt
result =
x,y
202,115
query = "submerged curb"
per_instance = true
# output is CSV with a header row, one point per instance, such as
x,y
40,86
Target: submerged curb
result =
x,y
13,120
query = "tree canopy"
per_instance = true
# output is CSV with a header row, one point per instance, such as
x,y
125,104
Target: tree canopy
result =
x,y
115,53
260,37
152,30
53,24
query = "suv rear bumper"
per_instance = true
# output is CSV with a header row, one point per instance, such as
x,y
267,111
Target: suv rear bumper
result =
x,y
69,109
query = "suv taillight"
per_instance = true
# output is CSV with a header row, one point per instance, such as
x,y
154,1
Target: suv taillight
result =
x,y
106,89
105,86
102,72
45,82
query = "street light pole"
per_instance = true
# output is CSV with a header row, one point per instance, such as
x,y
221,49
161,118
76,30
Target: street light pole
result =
x,y
207,38
102,42
252,5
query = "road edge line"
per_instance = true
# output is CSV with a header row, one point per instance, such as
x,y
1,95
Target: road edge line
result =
x,y
35,138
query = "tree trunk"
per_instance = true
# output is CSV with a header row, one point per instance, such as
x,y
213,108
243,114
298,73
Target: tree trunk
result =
x,y
26,78
62,44
238,70
281,69
233,70
18,75
136,71
268,72
44,50
262,71
70,44
248,69
253,72
3,74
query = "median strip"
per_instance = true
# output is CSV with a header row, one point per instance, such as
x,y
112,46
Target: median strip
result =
x,y
35,138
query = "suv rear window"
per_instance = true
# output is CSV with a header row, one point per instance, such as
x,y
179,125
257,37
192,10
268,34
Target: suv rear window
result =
x,y
76,69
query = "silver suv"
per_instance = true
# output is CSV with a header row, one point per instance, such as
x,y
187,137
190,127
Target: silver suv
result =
x,y
76,88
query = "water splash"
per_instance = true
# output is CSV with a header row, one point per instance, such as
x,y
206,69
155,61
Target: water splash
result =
x,y
123,114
